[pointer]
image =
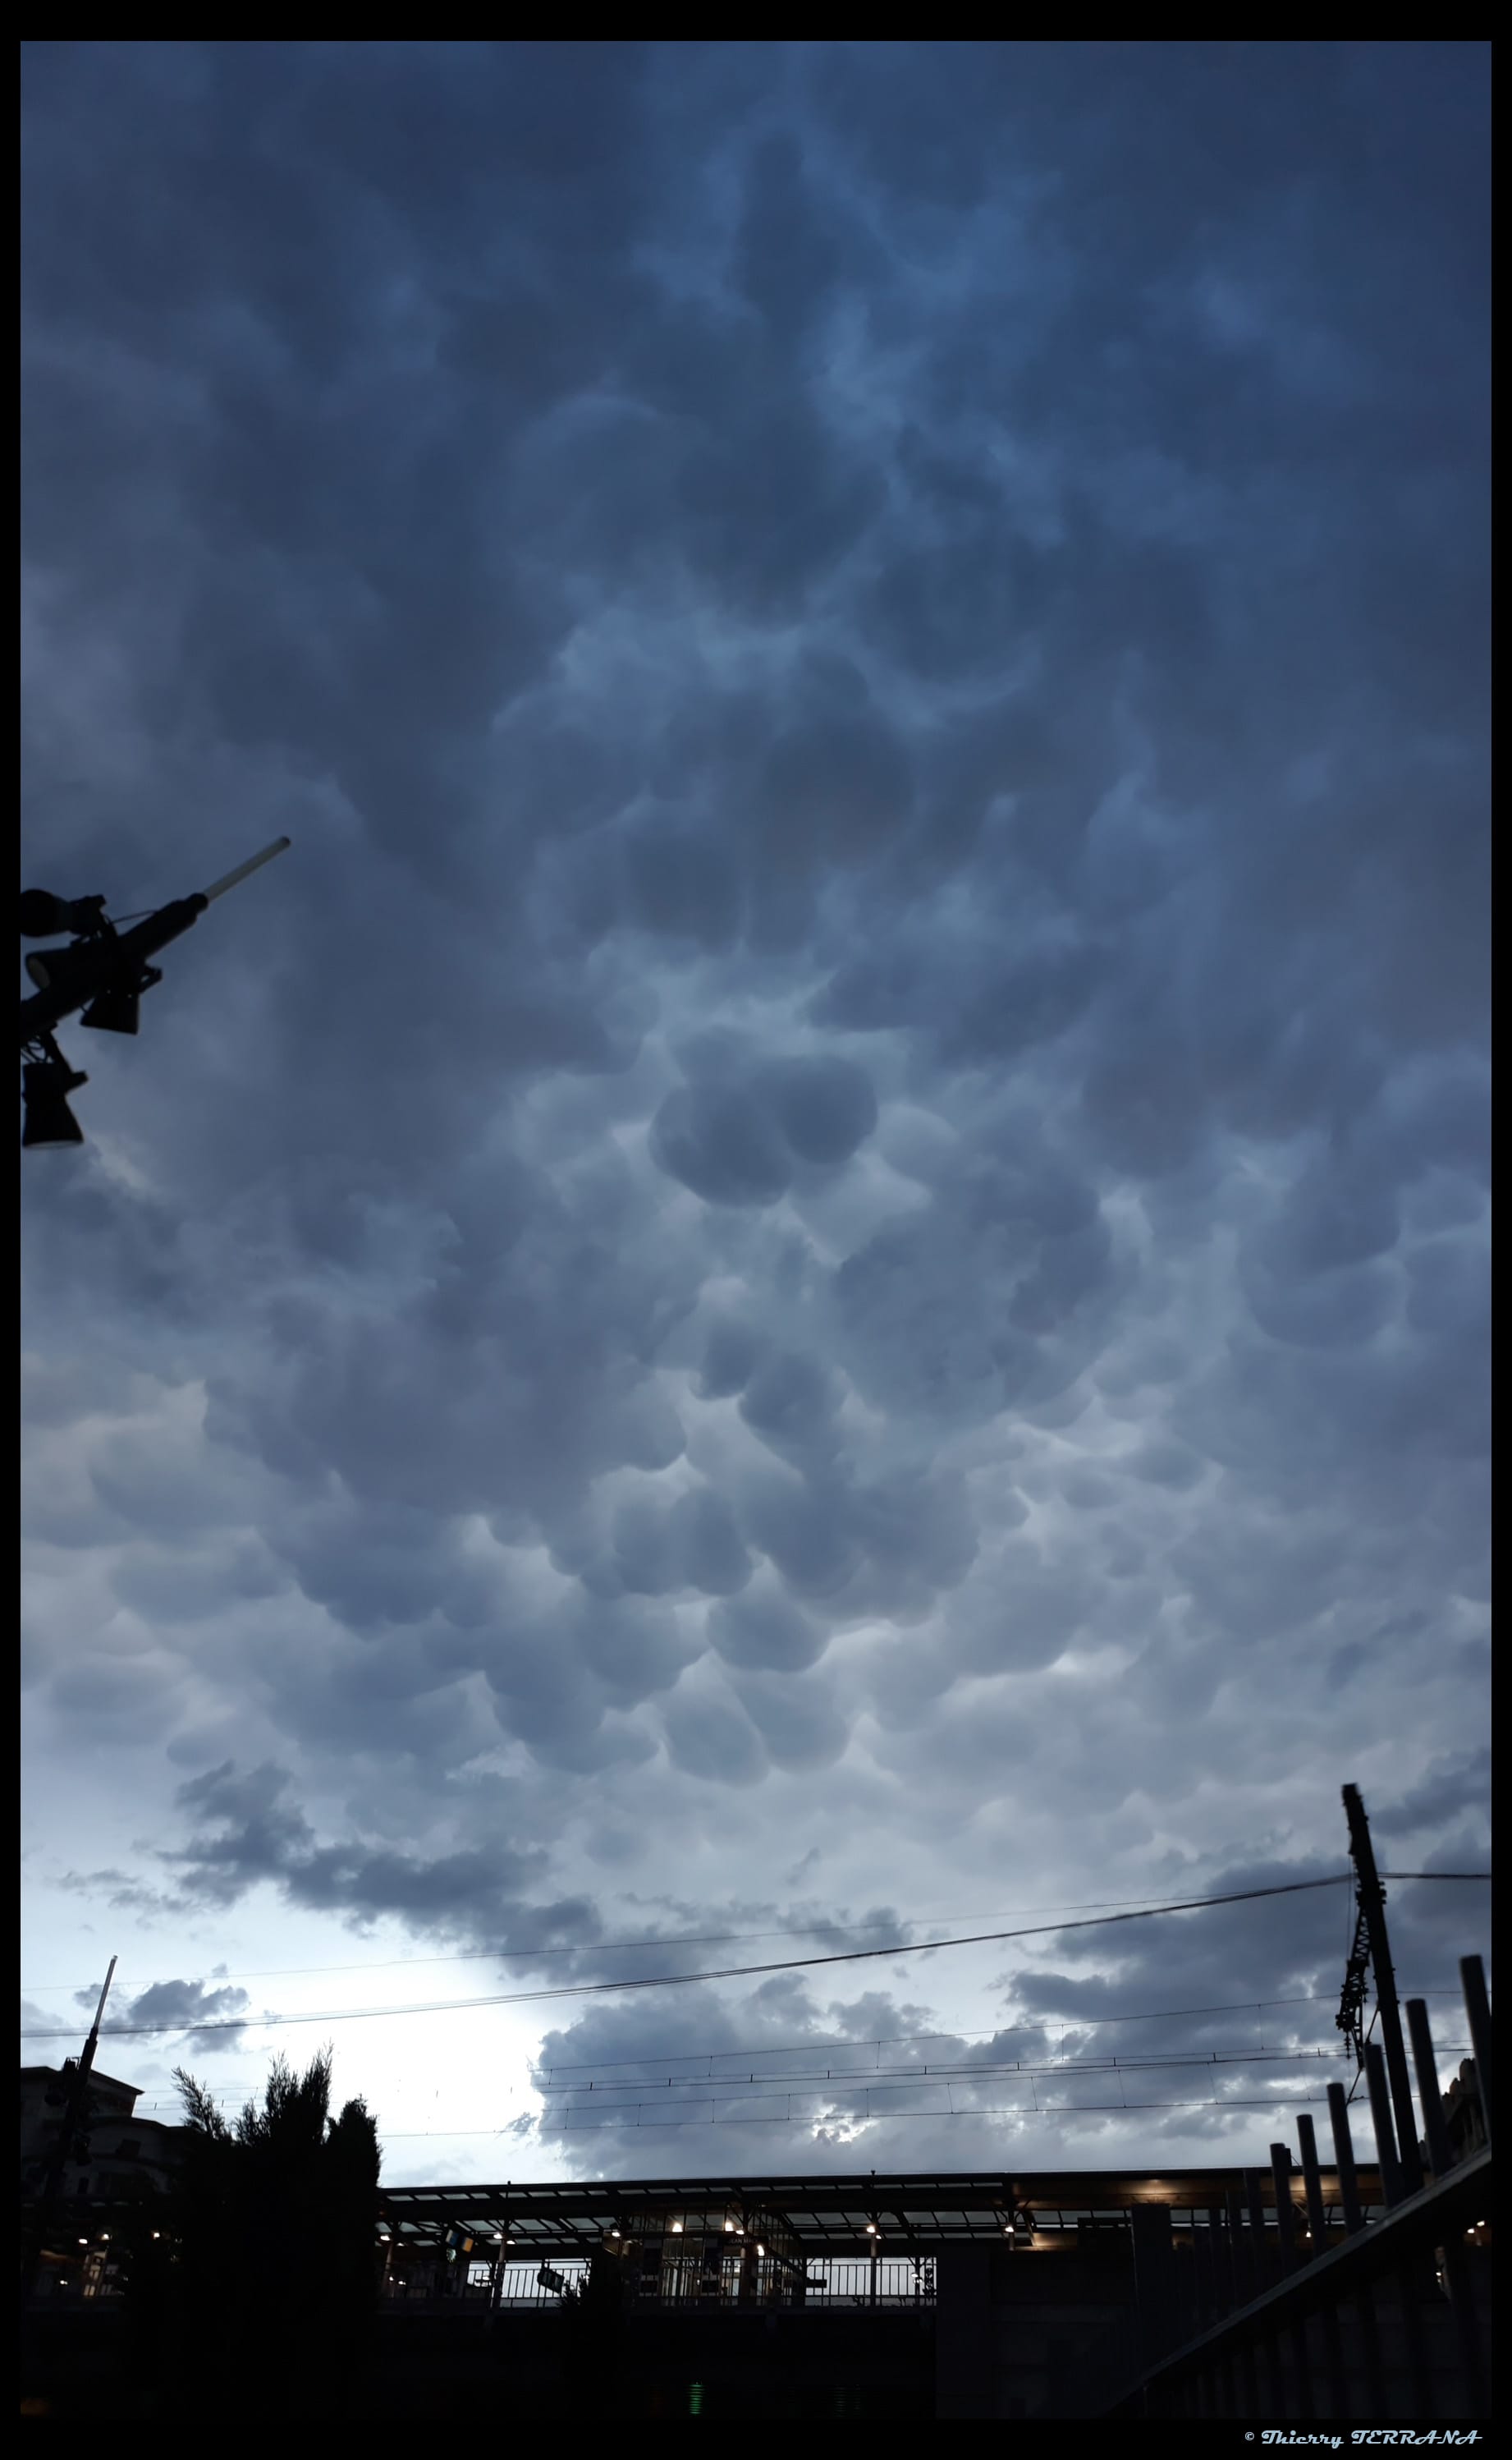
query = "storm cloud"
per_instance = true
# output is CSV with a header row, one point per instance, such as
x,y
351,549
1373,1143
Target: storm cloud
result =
x,y
833,1218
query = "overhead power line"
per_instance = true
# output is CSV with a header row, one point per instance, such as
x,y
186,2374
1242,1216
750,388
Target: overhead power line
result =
x,y
726,1972
755,2087
716,1973
1016,2109
228,2095
954,2033
711,1939
665,1939
1003,2109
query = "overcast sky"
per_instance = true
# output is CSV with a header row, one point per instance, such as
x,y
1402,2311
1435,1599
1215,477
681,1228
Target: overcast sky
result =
x,y
818,1262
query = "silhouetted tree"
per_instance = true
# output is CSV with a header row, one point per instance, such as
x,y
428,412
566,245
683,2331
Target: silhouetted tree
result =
x,y
258,2300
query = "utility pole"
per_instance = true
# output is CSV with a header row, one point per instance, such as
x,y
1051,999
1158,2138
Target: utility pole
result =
x,y
1371,1898
75,2111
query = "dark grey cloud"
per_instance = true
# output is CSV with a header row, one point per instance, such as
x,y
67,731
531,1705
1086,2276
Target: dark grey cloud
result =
x,y
1202,2026
204,2012
849,1163
993,1298
741,1142
245,1833
1455,1790
765,1630
801,1722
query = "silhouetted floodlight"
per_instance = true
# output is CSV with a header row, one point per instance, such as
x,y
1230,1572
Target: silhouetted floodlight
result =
x,y
116,1011
42,914
102,971
47,1121
75,968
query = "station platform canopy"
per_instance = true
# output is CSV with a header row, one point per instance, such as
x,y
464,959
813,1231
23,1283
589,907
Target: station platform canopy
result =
x,y
837,2215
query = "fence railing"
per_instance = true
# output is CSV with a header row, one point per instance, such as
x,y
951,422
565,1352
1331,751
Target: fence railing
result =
x,y
1394,2321
832,2284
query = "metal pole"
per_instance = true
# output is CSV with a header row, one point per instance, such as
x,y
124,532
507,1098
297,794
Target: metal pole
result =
x,y
1353,2223
1286,2252
1344,2160
1392,2187
1317,2230
244,870
1372,1905
74,2111
1221,2268
1267,2354
1436,2134
1313,2184
1244,2288
1281,2189
1477,2009
1255,2206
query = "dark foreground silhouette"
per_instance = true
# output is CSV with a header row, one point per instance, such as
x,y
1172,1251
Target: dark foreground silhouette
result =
x,y
251,2291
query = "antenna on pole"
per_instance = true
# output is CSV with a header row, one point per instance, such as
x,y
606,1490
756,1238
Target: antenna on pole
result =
x,y
244,869
76,2098
94,2031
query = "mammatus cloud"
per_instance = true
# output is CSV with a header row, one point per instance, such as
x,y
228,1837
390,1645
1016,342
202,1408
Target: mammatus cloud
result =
x,y
846,1179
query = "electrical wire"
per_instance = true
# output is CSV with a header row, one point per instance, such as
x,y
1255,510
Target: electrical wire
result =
x,y
228,2096
897,2079
957,2033
1018,2110
712,1939
870,2079
717,1973
608,1946
1005,2110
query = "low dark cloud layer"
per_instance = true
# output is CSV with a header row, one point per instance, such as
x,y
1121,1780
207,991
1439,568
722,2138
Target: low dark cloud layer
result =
x,y
842,1191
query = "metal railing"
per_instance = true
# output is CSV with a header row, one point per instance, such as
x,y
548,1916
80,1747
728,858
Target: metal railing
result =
x,y
1288,2321
832,2284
